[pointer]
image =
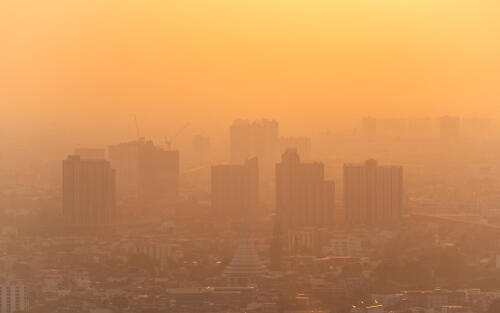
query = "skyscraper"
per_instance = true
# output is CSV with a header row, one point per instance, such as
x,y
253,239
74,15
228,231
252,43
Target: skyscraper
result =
x,y
14,298
449,127
88,192
258,139
145,171
303,196
265,146
373,193
235,190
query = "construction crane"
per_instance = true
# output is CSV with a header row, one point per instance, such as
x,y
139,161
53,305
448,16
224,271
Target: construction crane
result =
x,y
169,141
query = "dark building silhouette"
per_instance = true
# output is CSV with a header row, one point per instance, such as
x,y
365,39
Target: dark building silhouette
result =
x,y
303,196
235,190
449,127
276,248
373,193
145,171
302,144
88,192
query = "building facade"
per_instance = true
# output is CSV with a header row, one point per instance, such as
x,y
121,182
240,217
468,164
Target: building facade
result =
x,y
235,190
13,298
88,192
373,193
145,172
303,197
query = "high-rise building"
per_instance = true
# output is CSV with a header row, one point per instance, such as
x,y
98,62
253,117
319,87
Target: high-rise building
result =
x,y
145,171
449,127
303,196
258,139
235,190
373,193
91,153
88,192
302,144
265,146
13,298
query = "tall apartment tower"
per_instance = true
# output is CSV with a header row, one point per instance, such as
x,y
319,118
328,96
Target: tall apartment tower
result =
x,y
303,197
235,190
145,172
258,139
14,298
265,146
373,193
88,192
449,127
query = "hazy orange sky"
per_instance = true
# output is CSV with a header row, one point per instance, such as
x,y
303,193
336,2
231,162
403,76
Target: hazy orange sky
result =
x,y
84,67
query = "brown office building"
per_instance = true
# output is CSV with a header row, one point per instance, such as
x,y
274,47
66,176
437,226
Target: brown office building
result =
x,y
88,192
235,190
303,197
373,193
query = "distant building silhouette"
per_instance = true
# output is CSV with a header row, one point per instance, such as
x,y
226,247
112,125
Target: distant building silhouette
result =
x,y
449,127
258,139
235,190
302,144
276,248
265,146
303,196
91,153
88,192
373,193
145,171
